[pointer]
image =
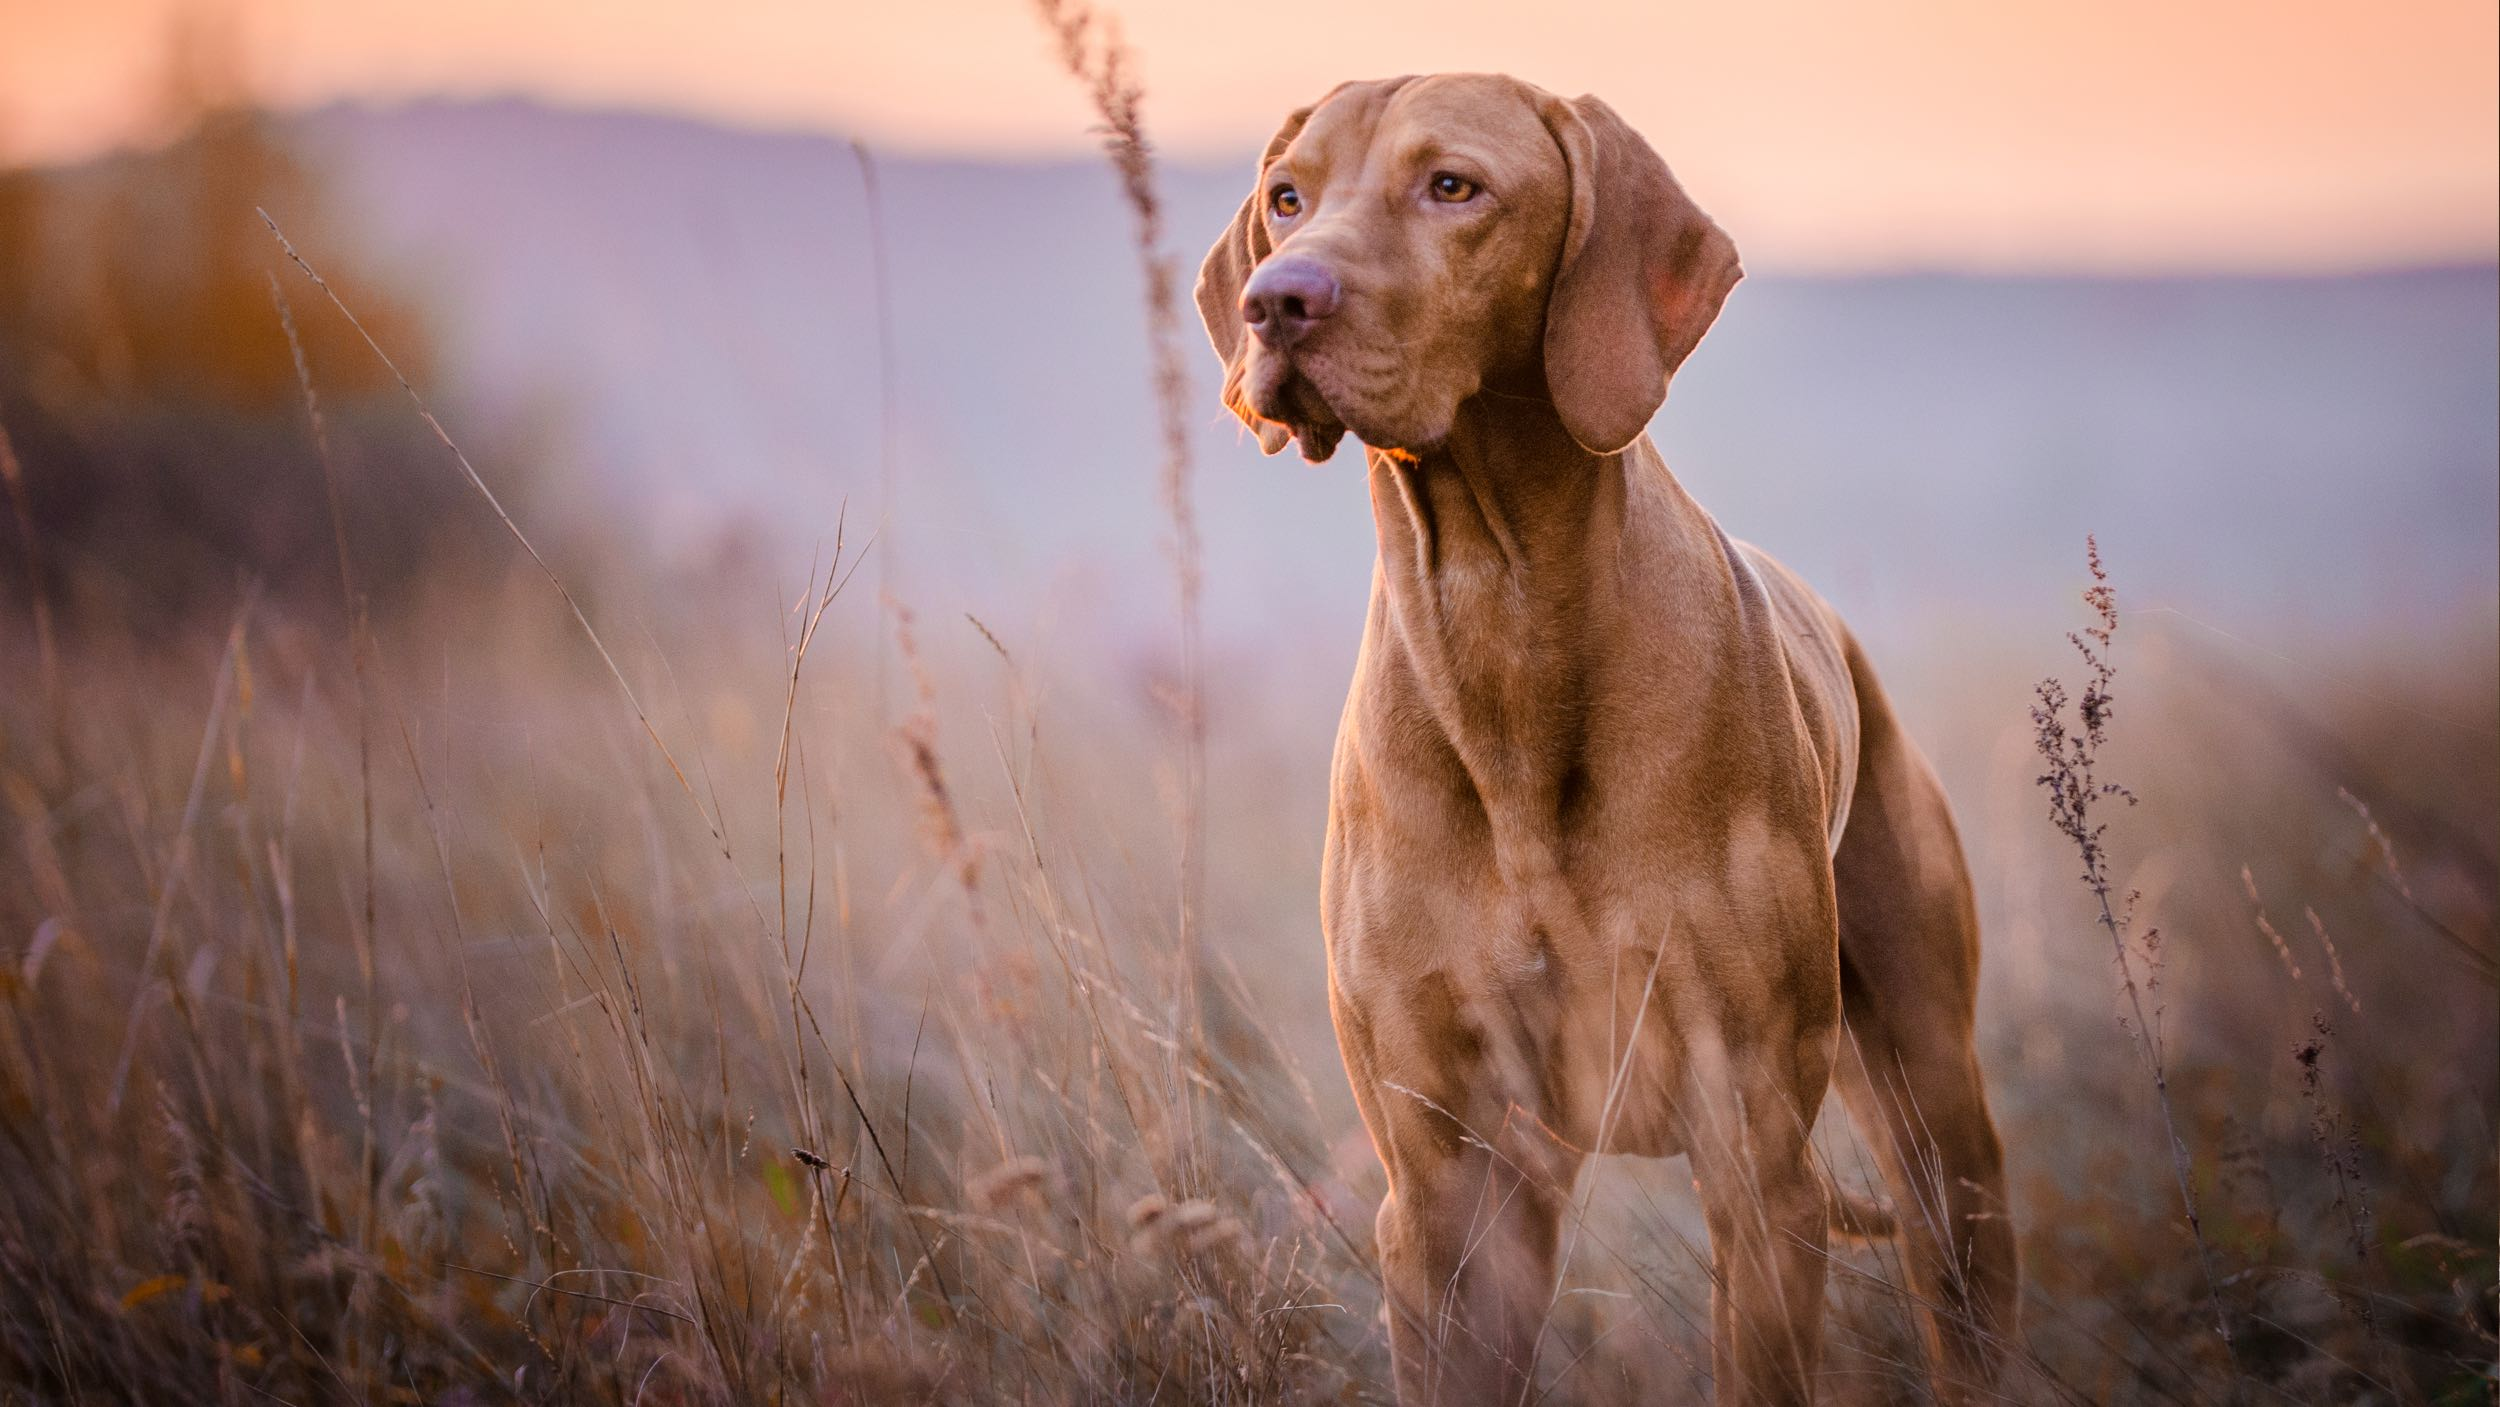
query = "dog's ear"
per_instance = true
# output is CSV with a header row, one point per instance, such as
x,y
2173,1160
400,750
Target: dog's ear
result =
x,y
1642,275
1237,251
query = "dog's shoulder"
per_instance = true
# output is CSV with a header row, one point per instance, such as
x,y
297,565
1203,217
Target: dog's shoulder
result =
x,y
1816,646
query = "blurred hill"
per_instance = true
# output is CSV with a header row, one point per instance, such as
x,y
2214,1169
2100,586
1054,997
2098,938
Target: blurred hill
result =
x,y
2301,459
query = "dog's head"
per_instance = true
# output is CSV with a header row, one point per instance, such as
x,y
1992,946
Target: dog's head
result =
x,y
1413,241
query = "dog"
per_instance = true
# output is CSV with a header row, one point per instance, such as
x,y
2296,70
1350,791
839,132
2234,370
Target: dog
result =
x,y
1626,851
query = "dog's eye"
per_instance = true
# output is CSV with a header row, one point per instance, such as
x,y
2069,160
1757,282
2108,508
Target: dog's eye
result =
x,y
1452,188
1285,201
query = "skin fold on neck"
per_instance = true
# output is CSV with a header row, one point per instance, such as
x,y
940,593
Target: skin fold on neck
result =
x,y
1508,555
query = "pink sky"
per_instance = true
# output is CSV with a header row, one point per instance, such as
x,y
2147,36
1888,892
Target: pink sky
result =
x,y
1829,133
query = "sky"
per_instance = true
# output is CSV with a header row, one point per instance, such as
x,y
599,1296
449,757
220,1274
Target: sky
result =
x,y
1981,134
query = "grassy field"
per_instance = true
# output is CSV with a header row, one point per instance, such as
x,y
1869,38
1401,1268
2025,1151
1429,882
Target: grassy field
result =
x,y
455,1026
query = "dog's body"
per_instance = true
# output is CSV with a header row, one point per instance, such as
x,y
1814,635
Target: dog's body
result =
x,y
1623,834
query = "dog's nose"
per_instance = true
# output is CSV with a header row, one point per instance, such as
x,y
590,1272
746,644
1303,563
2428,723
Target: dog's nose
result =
x,y
1286,296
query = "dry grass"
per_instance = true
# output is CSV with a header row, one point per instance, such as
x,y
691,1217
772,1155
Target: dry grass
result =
x,y
586,1129
771,1087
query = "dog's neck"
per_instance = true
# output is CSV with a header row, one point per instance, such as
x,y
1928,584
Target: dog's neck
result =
x,y
1505,498
1508,554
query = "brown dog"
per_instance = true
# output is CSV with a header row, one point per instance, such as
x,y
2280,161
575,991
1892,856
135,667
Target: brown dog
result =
x,y
1624,835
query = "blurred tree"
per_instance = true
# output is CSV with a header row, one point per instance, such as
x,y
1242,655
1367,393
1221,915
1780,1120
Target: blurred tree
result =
x,y
147,382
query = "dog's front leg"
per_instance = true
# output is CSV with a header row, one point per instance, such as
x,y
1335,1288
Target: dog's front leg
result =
x,y
1748,1115
1467,1250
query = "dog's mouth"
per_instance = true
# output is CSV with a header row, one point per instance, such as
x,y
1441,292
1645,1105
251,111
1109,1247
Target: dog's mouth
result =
x,y
1283,401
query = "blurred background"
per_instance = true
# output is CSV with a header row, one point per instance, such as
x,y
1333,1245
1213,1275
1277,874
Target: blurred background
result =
x,y
713,300
2226,271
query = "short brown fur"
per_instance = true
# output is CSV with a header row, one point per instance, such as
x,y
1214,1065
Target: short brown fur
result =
x,y
1624,836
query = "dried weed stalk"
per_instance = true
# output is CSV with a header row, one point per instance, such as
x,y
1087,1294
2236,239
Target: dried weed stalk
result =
x,y
1092,51
2072,755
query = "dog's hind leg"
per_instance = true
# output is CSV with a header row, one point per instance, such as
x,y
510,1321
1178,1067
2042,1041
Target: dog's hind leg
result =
x,y
1908,1070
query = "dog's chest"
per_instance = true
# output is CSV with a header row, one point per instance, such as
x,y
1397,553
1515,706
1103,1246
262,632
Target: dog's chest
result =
x,y
1550,879
1557,868
1542,985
